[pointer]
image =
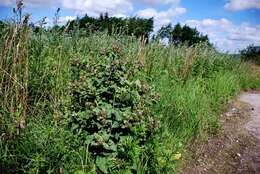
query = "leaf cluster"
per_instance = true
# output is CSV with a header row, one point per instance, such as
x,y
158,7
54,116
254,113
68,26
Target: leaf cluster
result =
x,y
109,111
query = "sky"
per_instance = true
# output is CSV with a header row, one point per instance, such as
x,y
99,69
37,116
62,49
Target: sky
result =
x,y
230,24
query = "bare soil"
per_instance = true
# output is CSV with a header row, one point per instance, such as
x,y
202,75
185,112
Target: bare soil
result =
x,y
235,149
253,126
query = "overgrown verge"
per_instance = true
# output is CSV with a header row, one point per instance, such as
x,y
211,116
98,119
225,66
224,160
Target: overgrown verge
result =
x,y
110,104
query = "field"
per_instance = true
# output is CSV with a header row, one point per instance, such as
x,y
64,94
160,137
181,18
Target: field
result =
x,y
108,103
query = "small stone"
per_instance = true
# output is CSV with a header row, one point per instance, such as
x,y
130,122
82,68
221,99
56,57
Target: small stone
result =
x,y
228,114
234,110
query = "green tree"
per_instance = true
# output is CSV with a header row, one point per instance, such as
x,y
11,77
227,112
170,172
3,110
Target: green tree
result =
x,y
128,26
182,35
251,53
164,32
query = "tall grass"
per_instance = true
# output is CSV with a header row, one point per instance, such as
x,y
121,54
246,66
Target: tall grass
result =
x,y
14,74
193,86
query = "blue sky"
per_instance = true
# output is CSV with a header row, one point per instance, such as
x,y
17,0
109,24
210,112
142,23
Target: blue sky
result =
x,y
230,24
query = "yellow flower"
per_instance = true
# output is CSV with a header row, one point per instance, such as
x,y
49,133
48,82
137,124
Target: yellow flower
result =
x,y
176,156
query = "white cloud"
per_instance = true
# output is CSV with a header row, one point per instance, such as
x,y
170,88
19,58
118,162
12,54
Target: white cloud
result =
x,y
48,22
28,3
77,3
6,2
156,2
226,35
236,5
95,7
61,21
119,15
64,19
120,8
91,7
38,3
161,17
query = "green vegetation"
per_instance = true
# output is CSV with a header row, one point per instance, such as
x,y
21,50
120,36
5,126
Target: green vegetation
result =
x,y
128,26
182,35
131,26
105,103
251,53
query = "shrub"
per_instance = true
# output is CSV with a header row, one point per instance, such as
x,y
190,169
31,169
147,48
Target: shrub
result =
x,y
109,111
251,53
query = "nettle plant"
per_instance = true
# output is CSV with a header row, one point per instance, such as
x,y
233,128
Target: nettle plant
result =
x,y
109,111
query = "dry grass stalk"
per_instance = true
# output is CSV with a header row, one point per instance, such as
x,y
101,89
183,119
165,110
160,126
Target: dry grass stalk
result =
x,y
141,52
14,69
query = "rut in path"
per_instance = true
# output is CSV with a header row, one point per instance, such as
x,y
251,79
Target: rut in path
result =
x,y
236,148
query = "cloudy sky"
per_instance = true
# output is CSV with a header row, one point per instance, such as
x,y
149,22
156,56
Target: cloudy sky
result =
x,y
230,24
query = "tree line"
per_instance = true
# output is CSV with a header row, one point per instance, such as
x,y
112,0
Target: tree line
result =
x,y
127,26
130,26
139,27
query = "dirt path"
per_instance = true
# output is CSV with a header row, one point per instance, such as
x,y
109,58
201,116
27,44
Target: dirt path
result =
x,y
236,148
253,125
